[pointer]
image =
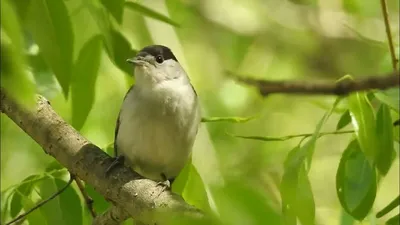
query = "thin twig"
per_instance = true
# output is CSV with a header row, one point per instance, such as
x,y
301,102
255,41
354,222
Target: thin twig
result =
x,y
393,204
88,199
284,138
23,215
389,34
342,87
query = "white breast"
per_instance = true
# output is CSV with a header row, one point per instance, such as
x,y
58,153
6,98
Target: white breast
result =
x,y
158,128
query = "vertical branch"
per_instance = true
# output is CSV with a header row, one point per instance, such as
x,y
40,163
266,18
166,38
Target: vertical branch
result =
x,y
389,34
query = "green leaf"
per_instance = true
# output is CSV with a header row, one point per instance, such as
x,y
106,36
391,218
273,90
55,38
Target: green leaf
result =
x,y
54,165
296,158
295,189
6,197
70,203
150,13
394,220
390,97
99,13
21,7
84,80
344,120
99,203
22,191
356,182
49,23
37,216
359,8
45,83
363,120
345,218
66,208
226,119
14,76
115,7
194,192
182,179
384,134
122,50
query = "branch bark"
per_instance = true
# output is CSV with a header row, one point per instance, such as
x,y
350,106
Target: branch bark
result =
x,y
317,88
139,198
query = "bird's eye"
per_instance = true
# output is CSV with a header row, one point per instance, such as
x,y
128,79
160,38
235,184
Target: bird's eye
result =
x,y
159,59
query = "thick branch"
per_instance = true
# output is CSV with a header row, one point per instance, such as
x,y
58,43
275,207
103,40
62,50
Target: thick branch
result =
x,y
140,198
328,88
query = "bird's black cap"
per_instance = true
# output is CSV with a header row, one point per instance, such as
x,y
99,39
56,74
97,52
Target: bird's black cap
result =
x,y
156,50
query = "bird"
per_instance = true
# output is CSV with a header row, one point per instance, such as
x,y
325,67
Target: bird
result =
x,y
159,117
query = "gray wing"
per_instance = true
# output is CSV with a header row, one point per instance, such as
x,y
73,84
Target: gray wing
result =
x,y
115,137
117,125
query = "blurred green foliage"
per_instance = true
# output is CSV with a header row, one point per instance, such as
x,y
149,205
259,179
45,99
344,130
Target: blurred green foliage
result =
x,y
73,52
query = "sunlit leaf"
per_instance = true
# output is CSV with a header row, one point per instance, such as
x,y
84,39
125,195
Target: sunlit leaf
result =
x,y
6,197
46,83
49,23
363,120
226,119
84,80
344,120
54,165
150,13
180,181
359,8
384,134
346,219
297,196
115,7
194,191
355,182
295,188
38,215
23,191
14,76
390,97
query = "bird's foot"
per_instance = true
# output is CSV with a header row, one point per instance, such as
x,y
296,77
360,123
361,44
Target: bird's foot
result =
x,y
119,160
166,184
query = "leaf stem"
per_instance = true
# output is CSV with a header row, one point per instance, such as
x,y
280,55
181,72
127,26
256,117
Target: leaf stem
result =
x,y
389,34
23,215
393,204
284,138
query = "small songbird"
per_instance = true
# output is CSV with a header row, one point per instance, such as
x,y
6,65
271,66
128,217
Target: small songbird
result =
x,y
159,117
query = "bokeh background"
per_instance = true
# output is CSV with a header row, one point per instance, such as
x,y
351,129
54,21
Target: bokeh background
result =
x,y
266,39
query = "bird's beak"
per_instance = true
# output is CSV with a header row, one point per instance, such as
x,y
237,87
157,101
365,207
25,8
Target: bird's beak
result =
x,y
136,61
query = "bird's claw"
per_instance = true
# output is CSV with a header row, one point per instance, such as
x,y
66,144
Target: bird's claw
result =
x,y
119,160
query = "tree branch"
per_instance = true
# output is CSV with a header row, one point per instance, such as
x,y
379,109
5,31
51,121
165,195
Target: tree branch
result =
x,y
342,87
141,198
